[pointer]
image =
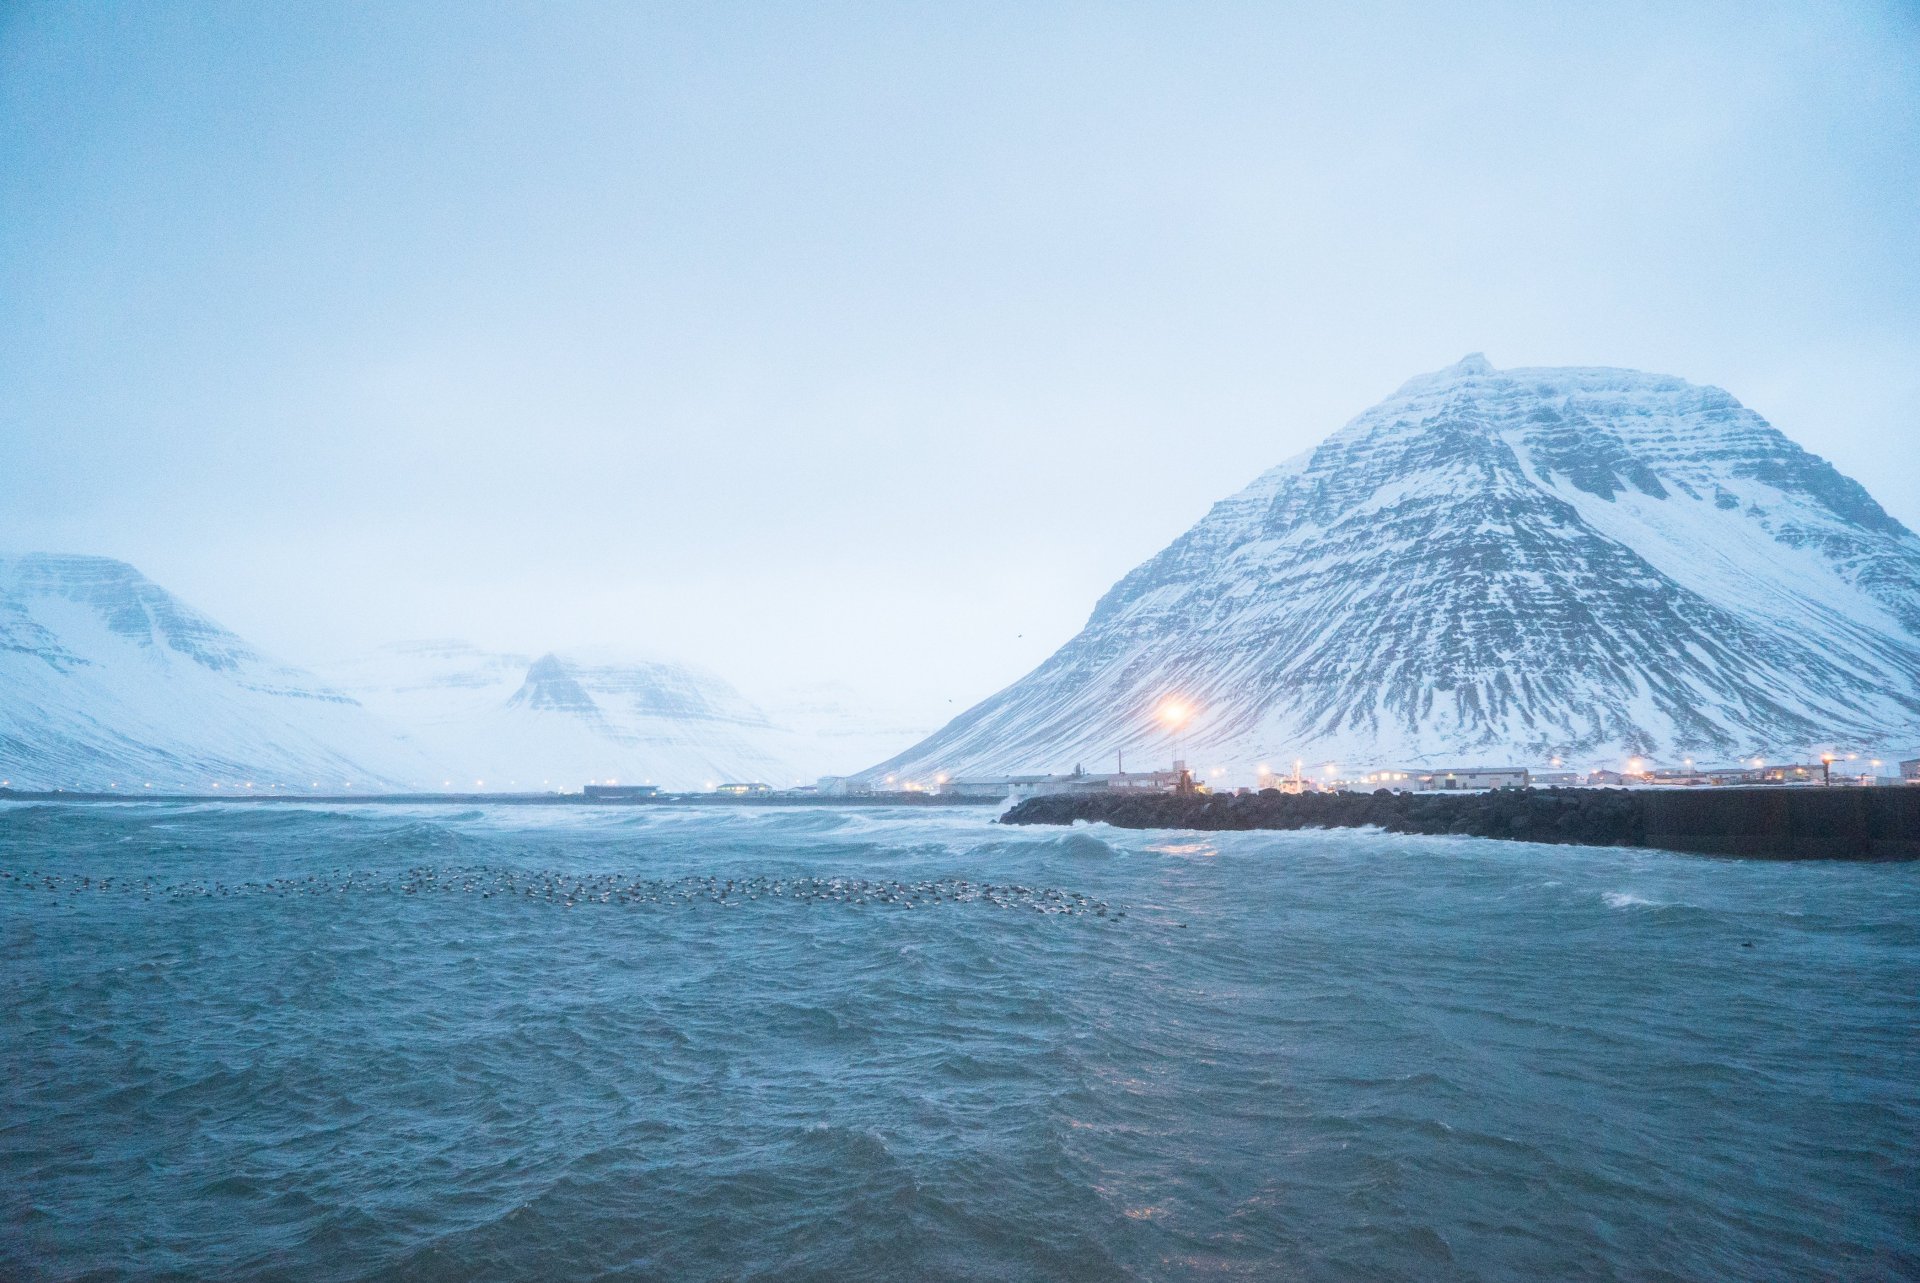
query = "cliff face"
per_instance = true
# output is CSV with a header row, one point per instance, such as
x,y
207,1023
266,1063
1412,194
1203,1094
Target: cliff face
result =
x,y
1529,563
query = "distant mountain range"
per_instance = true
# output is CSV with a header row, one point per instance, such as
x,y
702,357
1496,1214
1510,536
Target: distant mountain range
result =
x,y
1494,564
107,681
559,721
1533,564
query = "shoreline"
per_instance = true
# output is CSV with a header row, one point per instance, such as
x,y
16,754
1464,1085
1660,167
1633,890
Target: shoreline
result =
x,y
492,799
1856,824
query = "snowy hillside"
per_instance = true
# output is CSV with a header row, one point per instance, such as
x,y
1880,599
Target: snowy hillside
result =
x,y
107,680
1490,565
508,721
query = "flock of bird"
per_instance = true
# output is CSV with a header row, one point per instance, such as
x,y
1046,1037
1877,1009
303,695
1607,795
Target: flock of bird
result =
x,y
571,889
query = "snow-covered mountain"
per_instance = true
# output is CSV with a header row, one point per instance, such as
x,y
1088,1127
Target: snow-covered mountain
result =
x,y
107,680
504,721
1496,564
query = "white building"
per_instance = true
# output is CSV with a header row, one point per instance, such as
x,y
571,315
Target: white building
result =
x,y
1476,778
1019,788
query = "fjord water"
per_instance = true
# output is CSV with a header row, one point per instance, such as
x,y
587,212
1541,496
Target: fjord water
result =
x,y
536,1043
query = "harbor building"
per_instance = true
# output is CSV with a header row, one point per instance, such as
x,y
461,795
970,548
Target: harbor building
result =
x,y
620,792
1472,778
1021,787
754,789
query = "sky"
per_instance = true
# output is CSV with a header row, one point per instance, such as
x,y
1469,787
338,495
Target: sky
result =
x,y
868,345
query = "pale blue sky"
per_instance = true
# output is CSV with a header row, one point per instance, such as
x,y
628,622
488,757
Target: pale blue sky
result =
x,y
872,343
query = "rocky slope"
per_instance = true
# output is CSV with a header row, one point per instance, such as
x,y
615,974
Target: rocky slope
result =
x,y
1496,564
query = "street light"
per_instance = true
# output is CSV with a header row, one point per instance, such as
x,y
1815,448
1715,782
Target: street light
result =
x,y
1175,713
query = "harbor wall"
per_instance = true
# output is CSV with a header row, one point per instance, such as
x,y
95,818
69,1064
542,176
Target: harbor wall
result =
x,y
1796,823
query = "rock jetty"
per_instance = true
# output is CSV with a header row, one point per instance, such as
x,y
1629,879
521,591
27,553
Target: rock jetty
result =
x,y
1805,823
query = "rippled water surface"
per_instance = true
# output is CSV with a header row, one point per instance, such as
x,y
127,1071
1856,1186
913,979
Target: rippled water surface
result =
x,y
280,1042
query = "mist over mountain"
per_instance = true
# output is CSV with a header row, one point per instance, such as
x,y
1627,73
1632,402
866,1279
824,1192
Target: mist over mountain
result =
x,y
504,720
1524,564
108,680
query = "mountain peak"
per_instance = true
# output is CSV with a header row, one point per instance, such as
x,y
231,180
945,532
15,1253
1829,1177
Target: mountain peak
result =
x,y
1575,563
1471,366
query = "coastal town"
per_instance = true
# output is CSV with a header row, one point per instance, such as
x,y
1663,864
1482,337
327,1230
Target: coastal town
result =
x,y
1849,770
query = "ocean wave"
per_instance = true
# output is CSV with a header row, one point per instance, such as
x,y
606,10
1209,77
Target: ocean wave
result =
x,y
712,1044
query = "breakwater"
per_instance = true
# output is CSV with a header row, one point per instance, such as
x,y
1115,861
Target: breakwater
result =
x,y
1758,823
